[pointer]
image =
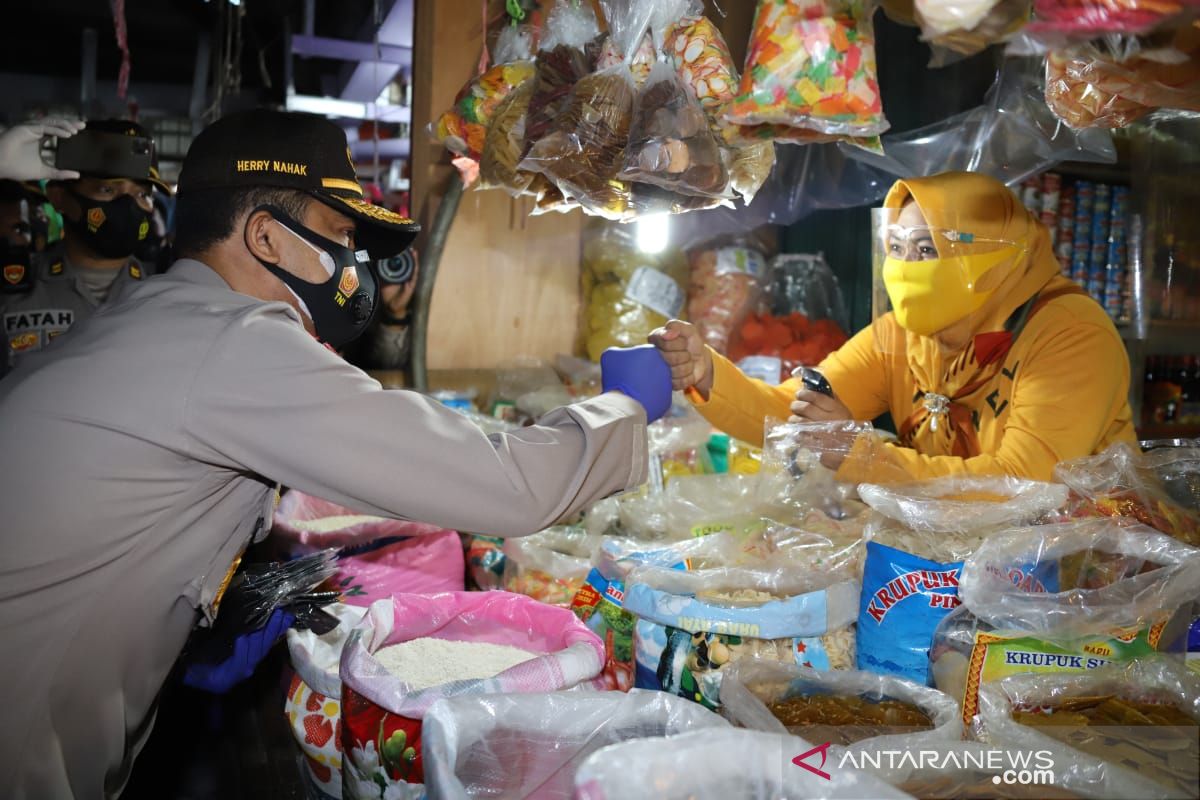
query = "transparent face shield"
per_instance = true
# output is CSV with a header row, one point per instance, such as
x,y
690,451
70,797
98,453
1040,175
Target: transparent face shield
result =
x,y
934,280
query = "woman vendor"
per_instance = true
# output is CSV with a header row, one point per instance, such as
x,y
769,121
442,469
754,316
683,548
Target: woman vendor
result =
x,y
990,361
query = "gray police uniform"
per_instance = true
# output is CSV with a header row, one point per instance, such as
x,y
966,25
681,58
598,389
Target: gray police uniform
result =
x,y
38,307
144,454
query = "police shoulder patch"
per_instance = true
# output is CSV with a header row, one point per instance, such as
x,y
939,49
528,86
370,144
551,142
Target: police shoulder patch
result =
x,y
135,272
56,268
14,274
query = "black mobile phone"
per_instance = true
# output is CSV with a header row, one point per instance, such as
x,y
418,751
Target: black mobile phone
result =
x,y
105,153
813,380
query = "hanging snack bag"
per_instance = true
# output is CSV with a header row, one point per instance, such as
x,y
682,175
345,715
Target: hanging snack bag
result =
x,y
561,61
584,147
529,746
503,144
314,699
1067,597
811,64
692,624
1123,730
628,292
1082,20
960,28
845,708
726,285
1159,488
549,566
462,129
915,553
385,697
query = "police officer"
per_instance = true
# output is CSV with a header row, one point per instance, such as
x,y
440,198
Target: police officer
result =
x,y
106,214
144,451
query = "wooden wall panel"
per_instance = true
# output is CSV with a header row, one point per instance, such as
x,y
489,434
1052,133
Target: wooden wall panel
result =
x,y
508,285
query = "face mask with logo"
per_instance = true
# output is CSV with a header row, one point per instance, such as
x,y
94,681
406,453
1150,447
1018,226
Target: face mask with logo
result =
x,y
110,228
930,296
341,307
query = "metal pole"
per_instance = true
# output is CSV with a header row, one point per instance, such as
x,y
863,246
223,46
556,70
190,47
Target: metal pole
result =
x,y
439,231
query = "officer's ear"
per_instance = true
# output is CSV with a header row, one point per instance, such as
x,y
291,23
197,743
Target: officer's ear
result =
x,y
263,237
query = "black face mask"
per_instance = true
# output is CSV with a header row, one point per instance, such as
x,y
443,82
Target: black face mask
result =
x,y
14,267
342,307
110,228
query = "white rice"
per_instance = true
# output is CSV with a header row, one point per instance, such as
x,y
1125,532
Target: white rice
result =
x,y
426,662
336,523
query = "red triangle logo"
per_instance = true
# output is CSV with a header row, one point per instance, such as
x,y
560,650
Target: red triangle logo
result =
x,y
823,749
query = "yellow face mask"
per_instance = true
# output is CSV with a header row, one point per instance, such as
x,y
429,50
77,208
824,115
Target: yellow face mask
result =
x,y
930,296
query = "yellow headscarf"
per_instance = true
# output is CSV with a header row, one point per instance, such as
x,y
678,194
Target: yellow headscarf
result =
x,y
952,360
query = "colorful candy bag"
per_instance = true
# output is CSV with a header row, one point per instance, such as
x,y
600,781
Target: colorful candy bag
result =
x,y
503,143
584,148
1086,88
549,566
463,129
1086,19
966,27
726,285
811,64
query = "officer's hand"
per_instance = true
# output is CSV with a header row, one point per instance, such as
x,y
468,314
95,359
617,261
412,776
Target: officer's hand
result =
x,y
20,150
641,373
248,650
683,349
810,406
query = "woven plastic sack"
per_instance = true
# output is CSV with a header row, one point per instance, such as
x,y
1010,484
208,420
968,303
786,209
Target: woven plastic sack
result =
x,y
628,293
377,557
1068,597
915,552
382,717
313,705
750,685
1160,488
717,765
549,566
529,746
691,625
811,64
1154,680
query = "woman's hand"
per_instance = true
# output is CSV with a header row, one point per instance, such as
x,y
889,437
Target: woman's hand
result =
x,y
690,361
810,406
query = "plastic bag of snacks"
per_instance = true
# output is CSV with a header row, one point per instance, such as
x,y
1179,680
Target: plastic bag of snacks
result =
x,y
716,765
561,61
1159,488
377,556
462,129
640,62
726,285
692,624
485,561
1120,731
518,746
678,445
1067,597
549,566
811,64
382,711
584,147
845,708
915,553
963,28
504,141
314,699
804,283
1086,88
1087,19
628,293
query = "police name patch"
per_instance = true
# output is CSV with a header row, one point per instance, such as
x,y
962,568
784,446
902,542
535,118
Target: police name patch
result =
x,y
270,165
39,318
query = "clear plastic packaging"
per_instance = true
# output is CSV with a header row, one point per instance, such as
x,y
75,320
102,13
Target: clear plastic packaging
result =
x,y
1088,88
692,624
811,64
727,283
628,293
1087,19
750,685
504,142
1064,597
519,746
561,61
463,129
804,283
958,28
1156,681
964,503
678,445
1159,488
485,562
549,566
382,717
716,765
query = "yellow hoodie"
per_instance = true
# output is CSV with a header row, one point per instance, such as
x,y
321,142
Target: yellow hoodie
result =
x,y
1059,392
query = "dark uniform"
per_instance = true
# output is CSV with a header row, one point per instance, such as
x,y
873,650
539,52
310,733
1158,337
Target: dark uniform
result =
x,y
46,299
